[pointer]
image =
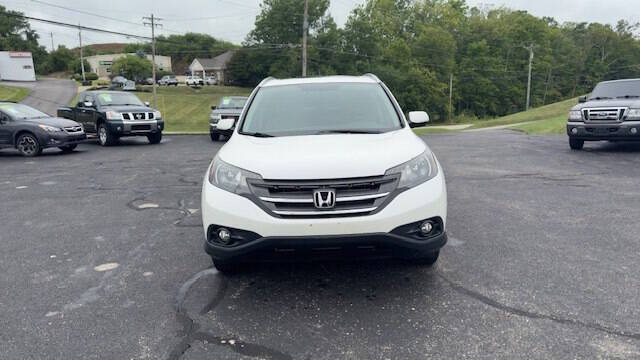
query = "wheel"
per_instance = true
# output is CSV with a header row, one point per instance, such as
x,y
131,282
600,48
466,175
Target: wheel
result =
x,y
215,136
68,148
28,145
228,268
576,144
105,137
155,138
427,259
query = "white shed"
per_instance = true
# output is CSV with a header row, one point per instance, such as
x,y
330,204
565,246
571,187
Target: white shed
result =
x,y
16,66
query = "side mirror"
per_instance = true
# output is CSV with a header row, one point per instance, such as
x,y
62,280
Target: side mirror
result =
x,y
582,99
418,118
3,119
213,107
87,104
146,103
226,124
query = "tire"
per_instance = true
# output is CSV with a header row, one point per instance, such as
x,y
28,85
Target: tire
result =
x,y
155,138
68,148
426,259
575,144
28,145
105,137
215,137
228,268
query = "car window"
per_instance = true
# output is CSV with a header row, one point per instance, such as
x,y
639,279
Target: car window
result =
x,y
305,109
22,112
117,98
229,102
616,89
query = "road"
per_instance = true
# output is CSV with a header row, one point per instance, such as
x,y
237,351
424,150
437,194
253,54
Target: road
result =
x,y
101,254
48,94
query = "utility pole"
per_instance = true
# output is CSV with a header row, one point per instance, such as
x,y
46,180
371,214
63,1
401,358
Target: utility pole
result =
x,y
305,30
84,79
52,47
530,48
450,96
152,21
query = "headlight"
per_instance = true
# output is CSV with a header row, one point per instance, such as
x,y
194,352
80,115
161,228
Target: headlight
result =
x,y
157,115
416,171
575,115
48,128
230,178
112,115
633,114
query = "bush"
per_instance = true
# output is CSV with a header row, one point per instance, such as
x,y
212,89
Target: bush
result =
x,y
91,76
103,83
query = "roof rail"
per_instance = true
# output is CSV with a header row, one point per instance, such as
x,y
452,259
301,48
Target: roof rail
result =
x,y
373,76
266,80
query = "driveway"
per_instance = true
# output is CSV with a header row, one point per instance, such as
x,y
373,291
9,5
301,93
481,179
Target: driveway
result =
x,y
101,254
48,94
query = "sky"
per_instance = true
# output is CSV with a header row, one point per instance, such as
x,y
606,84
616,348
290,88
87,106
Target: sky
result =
x,y
231,20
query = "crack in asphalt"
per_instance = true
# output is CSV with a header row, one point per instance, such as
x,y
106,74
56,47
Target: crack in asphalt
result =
x,y
533,315
191,329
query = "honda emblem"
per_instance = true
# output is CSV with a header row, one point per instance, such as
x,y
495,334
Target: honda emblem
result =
x,y
324,198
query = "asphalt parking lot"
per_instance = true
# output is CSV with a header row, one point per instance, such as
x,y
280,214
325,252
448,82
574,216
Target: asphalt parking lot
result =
x,y
101,254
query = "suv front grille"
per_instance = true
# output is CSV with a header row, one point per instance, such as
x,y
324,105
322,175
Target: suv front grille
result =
x,y
294,198
604,114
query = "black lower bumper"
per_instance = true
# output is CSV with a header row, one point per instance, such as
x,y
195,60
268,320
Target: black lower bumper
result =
x,y
61,140
401,242
597,132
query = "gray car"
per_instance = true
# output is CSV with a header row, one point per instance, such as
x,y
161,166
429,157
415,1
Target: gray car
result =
x,y
228,107
611,112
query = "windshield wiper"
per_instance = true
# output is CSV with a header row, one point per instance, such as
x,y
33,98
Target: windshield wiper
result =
x,y
348,131
257,134
627,96
601,98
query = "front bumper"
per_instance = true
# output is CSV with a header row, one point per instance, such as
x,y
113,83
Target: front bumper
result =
x,y
213,129
134,128
604,131
224,209
49,140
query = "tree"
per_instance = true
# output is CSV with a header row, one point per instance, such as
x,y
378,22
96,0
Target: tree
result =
x,y
132,67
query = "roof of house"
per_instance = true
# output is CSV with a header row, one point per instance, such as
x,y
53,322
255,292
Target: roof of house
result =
x,y
218,62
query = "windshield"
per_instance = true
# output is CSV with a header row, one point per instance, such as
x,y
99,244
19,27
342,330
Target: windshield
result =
x,y
307,109
22,112
616,89
113,99
229,102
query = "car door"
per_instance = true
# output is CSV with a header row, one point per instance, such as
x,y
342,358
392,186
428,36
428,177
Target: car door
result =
x,y
5,130
86,114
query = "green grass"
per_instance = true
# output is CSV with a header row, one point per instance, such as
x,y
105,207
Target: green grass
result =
x,y
13,93
553,125
548,113
186,110
428,130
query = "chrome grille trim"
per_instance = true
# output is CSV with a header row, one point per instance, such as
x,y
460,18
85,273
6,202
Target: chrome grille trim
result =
x,y
607,114
325,212
74,130
294,198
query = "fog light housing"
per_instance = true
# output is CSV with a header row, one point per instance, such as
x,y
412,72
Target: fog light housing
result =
x,y
119,128
633,131
224,235
574,131
426,227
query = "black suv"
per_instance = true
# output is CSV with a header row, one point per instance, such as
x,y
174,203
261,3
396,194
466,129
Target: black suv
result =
x,y
115,114
30,131
611,112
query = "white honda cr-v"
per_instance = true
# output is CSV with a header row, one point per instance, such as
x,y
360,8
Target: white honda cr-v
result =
x,y
323,166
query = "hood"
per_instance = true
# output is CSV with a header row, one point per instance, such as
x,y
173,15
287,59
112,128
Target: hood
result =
x,y
54,121
630,103
230,111
128,108
322,156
